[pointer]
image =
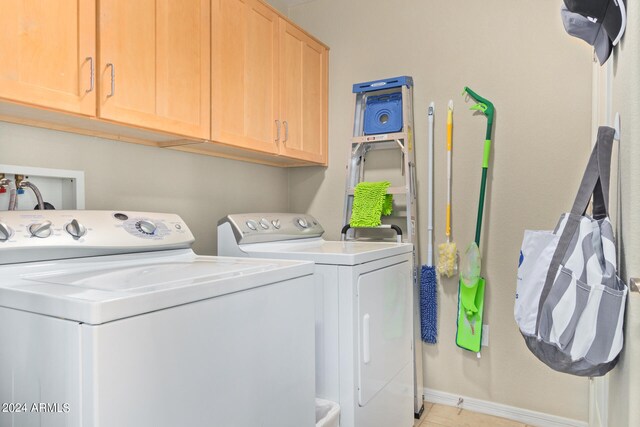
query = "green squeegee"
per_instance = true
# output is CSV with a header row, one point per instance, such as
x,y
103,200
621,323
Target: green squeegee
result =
x,y
472,285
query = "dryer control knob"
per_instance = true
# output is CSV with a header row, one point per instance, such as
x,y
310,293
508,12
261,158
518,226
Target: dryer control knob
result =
x,y
5,232
146,226
76,229
41,230
252,225
264,223
302,222
276,224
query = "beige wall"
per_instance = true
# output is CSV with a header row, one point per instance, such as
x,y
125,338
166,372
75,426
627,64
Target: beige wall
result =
x,y
516,54
281,5
625,380
124,176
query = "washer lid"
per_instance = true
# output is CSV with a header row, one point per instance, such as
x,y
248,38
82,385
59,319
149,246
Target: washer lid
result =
x,y
328,252
102,289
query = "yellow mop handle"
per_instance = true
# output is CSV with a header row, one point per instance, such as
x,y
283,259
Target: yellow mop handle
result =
x,y
449,144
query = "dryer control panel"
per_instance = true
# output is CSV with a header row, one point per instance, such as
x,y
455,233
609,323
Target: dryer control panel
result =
x,y
27,236
270,227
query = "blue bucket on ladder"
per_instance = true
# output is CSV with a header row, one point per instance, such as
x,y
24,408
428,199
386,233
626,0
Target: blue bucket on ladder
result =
x,y
383,114
383,111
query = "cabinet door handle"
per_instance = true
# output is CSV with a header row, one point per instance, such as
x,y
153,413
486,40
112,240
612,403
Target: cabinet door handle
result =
x,y
92,75
113,80
277,130
286,132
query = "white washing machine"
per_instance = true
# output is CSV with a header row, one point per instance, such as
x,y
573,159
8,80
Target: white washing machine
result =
x,y
108,319
363,311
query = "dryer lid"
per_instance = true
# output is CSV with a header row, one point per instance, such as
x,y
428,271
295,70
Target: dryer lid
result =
x,y
328,252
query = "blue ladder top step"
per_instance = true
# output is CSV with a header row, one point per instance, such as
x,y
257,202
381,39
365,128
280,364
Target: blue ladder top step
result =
x,y
383,84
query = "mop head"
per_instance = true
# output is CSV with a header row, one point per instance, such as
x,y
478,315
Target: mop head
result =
x,y
447,259
470,311
368,203
428,304
387,205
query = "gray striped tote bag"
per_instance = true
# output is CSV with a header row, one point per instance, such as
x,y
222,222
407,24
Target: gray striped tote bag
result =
x,y
569,300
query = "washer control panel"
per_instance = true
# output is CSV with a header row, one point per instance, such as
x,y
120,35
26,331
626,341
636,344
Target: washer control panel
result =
x,y
271,227
55,234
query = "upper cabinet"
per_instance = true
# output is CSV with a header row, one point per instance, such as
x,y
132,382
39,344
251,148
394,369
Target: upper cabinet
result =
x,y
303,95
230,78
154,64
244,71
269,82
48,56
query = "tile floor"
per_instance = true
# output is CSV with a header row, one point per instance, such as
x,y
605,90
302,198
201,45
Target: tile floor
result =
x,y
436,415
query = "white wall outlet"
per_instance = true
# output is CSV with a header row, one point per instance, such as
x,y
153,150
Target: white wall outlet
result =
x,y
485,335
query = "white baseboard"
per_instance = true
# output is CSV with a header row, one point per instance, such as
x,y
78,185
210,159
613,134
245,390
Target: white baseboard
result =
x,y
499,410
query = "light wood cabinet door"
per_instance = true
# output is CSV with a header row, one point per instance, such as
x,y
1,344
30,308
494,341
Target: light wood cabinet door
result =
x,y
244,71
303,95
154,64
47,52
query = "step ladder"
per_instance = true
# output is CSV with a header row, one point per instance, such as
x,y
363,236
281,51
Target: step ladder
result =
x,y
383,124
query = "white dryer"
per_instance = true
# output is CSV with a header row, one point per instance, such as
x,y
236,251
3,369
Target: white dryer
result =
x,y
109,319
363,311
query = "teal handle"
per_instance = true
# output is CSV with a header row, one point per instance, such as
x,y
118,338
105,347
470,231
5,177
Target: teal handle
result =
x,y
485,107
483,186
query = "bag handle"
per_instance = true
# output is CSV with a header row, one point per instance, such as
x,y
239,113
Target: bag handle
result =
x,y
595,182
601,205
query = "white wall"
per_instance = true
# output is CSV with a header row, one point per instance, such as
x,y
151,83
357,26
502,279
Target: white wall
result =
x,y
123,176
516,54
625,379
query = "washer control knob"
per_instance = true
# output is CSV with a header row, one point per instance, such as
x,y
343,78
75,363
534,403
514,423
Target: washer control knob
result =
x,y
264,224
302,222
276,224
252,225
146,226
41,230
5,232
76,229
